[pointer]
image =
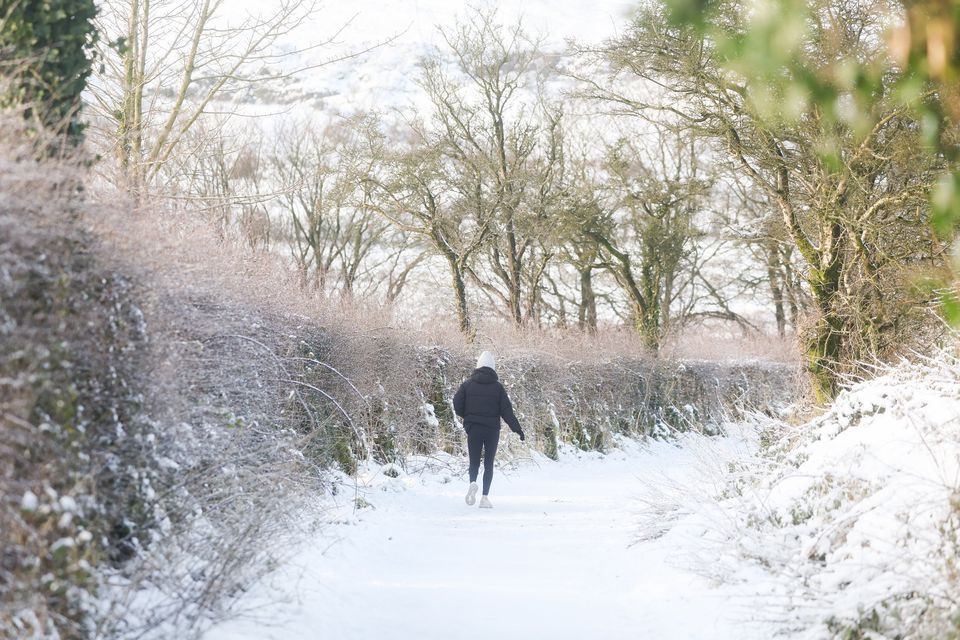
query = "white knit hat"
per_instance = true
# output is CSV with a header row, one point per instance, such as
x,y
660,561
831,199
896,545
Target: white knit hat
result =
x,y
486,359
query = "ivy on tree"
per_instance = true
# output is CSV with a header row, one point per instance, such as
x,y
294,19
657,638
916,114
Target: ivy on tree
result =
x,y
46,47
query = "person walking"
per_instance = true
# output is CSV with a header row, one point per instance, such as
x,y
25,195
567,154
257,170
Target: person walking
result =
x,y
481,401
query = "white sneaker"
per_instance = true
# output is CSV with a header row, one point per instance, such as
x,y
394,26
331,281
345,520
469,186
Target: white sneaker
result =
x,y
485,503
472,494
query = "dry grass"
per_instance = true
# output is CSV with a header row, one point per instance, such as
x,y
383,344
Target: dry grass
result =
x,y
719,345
182,251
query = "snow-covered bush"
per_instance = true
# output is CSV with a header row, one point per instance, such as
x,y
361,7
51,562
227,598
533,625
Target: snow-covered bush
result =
x,y
557,401
139,448
70,342
850,521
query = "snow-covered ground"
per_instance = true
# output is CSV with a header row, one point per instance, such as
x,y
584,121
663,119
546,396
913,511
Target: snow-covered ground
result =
x,y
558,557
854,517
847,526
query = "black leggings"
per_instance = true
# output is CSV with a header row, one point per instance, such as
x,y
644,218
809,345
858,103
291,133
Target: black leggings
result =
x,y
486,439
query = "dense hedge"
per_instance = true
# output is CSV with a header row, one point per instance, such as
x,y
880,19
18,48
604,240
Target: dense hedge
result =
x,y
407,391
71,341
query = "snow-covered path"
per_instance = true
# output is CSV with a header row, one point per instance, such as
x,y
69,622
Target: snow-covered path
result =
x,y
558,557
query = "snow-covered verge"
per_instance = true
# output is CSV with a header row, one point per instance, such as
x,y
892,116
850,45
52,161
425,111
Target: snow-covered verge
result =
x,y
849,526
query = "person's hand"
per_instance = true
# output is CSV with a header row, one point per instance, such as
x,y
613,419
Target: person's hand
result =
x,y
522,436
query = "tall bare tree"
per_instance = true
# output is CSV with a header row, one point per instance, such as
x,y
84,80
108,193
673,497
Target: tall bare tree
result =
x,y
491,122
167,63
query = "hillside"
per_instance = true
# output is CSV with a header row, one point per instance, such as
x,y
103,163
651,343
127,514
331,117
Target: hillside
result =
x,y
396,34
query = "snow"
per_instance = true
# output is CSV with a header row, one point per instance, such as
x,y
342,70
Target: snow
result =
x,y
856,511
429,414
68,504
407,30
557,557
29,502
62,543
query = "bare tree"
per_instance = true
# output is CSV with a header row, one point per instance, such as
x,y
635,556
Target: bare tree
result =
x,y
321,173
167,63
416,193
640,222
579,208
756,225
227,184
496,130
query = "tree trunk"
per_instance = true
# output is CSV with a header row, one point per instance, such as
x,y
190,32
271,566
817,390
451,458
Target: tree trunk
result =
x,y
825,344
774,276
648,325
823,349
125,129
459,294
587,312
130,130
646,309
515,267
791,285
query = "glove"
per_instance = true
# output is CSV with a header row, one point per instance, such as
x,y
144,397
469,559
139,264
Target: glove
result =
x,y
522,436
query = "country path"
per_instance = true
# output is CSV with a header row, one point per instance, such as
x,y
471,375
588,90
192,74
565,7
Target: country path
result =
x,y
557,557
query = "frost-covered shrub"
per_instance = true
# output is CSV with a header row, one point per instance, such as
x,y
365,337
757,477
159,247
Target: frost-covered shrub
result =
x,y
402,395
852,519
586,404
246,427
147,446
70,342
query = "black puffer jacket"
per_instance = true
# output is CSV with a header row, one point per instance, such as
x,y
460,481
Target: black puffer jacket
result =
x,y
482,400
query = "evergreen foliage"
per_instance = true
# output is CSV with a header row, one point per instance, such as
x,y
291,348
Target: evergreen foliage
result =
x,y
45,45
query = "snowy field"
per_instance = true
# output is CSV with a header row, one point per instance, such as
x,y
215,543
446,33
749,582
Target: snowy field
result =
x,y
559,556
